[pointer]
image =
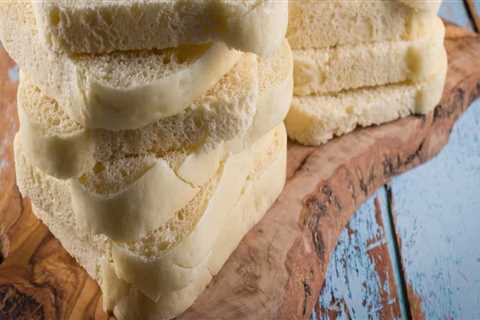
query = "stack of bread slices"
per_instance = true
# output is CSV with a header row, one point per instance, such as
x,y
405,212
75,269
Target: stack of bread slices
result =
x,y
151,135
362,63
151,132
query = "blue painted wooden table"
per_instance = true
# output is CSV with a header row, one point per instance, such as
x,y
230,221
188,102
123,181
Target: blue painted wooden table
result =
x,y
411,251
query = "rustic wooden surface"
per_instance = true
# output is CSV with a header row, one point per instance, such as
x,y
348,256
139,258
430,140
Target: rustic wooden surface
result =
x,y
431,250
474,13
360,282
278,270
38,278
457,11
438,234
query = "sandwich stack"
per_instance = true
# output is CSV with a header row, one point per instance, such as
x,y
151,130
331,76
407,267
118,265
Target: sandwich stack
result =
x,y
151,135
362,63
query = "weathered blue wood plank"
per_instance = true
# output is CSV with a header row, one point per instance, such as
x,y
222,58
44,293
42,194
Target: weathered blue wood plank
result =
x,y
351,267
456,12
360,280
437,210
13,73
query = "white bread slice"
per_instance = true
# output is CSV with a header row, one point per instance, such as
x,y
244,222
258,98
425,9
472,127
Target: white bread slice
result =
x,y
224,113
132,261
122,90
63,148
317,24
125,199
276,92
257,197
115,193
330,70
124,300
99,26
178,266
314,120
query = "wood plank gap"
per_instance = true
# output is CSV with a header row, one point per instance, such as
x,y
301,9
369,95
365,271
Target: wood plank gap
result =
x,y
473,14
394,248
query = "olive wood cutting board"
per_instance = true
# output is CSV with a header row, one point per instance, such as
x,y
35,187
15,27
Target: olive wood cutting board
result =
x,y
279,268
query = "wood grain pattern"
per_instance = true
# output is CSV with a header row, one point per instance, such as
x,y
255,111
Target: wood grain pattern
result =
x,y
38,278
278,269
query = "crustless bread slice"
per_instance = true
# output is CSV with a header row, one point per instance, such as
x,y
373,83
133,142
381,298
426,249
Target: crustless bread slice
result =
x,y
122,90
314,120
232,112
162,273
99,26
327,71
317,24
